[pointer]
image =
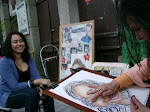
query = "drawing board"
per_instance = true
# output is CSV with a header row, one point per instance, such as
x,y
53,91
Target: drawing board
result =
x,y
76,47
75,88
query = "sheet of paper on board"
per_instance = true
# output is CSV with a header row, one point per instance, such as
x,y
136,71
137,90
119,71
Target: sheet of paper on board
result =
x,y
140,93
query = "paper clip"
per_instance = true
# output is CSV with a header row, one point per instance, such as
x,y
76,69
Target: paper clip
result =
x,y
53,85
78,69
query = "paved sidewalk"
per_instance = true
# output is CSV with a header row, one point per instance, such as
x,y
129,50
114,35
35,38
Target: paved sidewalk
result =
x,y
62,107
59,107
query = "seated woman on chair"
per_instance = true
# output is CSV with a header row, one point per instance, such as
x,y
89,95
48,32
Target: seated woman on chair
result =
x,y
20,77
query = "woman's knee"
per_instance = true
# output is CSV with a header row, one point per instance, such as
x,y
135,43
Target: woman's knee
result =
x,y
48,99
32,101
33,94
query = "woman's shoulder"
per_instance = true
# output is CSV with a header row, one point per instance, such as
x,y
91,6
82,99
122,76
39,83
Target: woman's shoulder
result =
x,y
1,57
5,59
30,59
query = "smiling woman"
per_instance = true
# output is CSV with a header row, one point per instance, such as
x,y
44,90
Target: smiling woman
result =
x,y
17,44
20,77
18,47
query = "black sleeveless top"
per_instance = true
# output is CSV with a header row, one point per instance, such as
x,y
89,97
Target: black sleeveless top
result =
x,y
24,76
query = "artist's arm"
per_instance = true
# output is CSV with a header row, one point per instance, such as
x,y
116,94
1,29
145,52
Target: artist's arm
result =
x,y
136,74
124,81
110,88
139,73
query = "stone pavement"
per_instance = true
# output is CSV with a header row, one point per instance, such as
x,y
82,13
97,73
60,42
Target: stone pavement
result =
x,y
62,107
59,107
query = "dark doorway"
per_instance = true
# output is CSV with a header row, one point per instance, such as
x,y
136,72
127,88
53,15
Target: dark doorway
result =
x,y
107,38
49,33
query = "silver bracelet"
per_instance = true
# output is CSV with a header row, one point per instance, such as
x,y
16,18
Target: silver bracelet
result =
x,y
29,84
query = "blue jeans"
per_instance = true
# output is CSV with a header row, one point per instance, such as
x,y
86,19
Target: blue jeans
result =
x,y
29,98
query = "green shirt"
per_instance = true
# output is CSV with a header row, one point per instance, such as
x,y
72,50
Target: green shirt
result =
x,y
141,48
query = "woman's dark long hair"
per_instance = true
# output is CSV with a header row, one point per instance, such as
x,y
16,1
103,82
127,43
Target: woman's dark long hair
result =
x,y
137,11
7,49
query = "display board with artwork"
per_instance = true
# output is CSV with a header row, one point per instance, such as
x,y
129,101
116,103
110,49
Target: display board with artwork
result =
x,y
111,68
76,47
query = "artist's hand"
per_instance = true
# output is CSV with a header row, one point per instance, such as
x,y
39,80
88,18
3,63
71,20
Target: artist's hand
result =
x,y
104,90
136,106
46,82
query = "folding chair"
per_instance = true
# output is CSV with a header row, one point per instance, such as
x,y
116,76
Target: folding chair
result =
x,y
47,59
5,109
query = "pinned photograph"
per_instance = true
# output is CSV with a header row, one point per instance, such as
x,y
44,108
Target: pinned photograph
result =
x,y
86,48
80,47
63,51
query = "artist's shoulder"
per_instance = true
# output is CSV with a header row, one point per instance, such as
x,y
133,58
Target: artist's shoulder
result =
x,y
144,60
143,63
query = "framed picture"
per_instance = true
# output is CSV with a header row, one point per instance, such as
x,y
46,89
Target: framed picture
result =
x,y
22,18
12,7
76,46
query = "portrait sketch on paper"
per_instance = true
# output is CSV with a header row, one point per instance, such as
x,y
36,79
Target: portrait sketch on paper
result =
x,y
114,103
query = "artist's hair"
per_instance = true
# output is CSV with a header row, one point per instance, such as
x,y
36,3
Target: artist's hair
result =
x,y
7,49
137,11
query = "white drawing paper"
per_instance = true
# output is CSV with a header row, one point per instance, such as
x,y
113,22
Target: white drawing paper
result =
x,y
71,91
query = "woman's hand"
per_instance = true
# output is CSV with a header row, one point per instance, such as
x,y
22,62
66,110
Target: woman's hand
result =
x,y
41,93
136,106
104,90
42,82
